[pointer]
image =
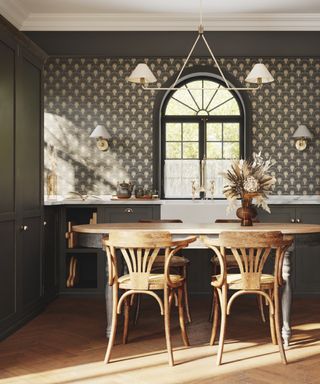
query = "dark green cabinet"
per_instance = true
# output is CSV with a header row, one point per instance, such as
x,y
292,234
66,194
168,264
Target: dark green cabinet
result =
x,y
306,255
21,202
7,195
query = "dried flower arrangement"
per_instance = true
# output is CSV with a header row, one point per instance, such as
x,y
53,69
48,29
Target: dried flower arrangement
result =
x,y
249,177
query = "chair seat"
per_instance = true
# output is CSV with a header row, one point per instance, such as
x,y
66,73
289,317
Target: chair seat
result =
x,y
156,281
175,261
234,281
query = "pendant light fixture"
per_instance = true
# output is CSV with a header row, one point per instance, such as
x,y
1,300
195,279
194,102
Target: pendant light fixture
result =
x,y
143,75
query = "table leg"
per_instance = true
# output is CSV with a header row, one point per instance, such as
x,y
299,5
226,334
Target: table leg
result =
x,y
286,297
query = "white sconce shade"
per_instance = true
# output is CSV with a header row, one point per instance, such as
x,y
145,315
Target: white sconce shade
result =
x,y
102,135
100,131
259,75
302,133
142,75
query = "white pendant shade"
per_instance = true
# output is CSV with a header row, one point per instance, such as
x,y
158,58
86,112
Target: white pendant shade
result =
x,y
303,131
100,131
259,74
142,74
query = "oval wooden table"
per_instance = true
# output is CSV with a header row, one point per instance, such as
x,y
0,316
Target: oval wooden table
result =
x,y
180,230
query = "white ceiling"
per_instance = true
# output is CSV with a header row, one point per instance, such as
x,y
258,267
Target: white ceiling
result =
x,y
162,14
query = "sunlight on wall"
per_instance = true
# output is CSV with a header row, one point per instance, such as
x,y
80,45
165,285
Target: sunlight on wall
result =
x,y
81,167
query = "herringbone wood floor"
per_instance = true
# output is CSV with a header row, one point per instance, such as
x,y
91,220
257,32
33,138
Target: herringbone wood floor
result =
x,y
66,345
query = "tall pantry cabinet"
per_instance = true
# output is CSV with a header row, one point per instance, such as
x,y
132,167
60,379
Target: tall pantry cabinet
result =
x,y
21,196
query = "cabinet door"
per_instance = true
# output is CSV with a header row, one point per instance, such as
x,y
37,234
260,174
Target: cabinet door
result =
x,y
30,258
50,253
29,181
307,253
130,213
7,64
7,203
28,137
7,272
279,214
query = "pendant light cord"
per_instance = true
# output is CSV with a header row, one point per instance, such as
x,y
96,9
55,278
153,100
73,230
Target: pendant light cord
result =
x,y
200,12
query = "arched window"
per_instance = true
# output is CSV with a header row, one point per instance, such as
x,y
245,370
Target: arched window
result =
x,y
202,130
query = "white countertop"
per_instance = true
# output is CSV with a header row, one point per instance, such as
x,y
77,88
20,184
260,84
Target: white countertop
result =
x,y
106,200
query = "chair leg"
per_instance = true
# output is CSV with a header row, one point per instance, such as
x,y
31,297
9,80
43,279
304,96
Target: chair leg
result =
x,y
186,295
181,317
113,323
277,324
215,314
223,306
171,295
214,272
126,320
167,324
260,306
137,309
272,328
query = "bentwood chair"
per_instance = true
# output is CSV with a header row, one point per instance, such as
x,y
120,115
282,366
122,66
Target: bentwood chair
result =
x,y
250,250
139,250
232,265
178,264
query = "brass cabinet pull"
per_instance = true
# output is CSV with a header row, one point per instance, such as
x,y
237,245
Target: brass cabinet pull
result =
x,y
24,228
128,210
293,221
44,223
298,220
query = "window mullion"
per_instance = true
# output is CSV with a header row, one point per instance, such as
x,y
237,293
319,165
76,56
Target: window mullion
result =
x,y
202,139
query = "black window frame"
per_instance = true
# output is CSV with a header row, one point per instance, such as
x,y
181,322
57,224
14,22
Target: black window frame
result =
x,y
160,119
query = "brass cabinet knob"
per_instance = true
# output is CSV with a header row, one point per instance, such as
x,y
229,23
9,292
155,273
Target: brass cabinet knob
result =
x,y
24,227
44,223
128,210
293,221
298,220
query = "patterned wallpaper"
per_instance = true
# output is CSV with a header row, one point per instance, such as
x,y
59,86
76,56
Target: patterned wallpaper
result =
x,y
83,92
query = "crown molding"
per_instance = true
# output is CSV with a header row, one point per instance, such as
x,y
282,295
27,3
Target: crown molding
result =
x,y
14,12
170,22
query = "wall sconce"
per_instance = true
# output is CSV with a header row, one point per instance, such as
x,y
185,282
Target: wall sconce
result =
x,y
101,134
302,134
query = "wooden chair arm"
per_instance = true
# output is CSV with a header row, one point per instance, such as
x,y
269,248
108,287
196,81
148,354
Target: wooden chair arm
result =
x,y
219,251
179,244
112,263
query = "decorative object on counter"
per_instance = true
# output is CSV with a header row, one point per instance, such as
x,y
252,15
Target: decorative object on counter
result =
x,y
258,75
124,190
52,174
102,136
72,195
302,134
249,179
147,194
139,192
247,211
